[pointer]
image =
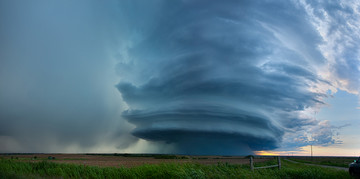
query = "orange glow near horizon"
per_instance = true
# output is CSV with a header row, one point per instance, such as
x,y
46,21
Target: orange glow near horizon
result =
x,y
266,153
317,151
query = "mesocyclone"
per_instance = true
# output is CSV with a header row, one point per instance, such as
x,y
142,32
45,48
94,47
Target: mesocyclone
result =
x,y
217,77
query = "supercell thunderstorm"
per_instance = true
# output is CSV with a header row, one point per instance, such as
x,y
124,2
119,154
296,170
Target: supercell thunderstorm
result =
x,y
219,77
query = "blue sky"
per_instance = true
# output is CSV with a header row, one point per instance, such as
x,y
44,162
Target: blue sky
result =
x,y
189,77
341,111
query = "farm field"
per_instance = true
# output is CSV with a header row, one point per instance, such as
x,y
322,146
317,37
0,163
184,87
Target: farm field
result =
x,y
131,160
330,161
153,166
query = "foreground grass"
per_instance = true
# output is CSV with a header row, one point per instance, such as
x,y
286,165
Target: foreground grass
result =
x,y
44,169
330,161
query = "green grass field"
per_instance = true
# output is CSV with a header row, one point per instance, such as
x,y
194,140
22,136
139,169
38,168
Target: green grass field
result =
x,y
45,169
330,161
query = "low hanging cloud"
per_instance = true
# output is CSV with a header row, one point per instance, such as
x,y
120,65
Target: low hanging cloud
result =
x,y
237,74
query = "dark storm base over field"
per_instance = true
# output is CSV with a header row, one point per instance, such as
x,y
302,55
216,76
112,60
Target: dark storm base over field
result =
x,y
206,130
208,143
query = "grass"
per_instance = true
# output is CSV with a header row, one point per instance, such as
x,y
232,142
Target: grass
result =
x,y
170,157
44,158
266,163
330,161
45,169
156,156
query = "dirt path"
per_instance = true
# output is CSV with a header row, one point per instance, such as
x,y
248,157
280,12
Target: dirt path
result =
x,y
325,166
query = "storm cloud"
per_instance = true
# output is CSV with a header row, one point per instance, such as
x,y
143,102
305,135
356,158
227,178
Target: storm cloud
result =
x,y
237,74
183,76
57,82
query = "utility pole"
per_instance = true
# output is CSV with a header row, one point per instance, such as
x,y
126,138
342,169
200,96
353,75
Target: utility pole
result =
x,y
311,153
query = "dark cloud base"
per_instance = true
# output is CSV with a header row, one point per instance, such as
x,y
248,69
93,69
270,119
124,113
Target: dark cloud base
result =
x,y
208,143
206,130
